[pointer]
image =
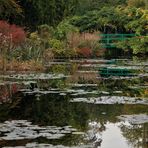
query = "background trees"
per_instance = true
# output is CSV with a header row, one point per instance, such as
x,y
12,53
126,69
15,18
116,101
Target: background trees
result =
x,y
9,9
138,3
51,12
32,13
69,16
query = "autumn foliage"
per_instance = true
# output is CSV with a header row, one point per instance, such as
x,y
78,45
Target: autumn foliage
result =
x,y
84,52
13,34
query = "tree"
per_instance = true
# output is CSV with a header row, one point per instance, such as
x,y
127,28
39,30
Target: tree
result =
x,y
89,5
9,9
138,3
51,12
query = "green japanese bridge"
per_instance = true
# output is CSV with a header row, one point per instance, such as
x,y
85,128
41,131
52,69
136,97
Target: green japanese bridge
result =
x,y
109,40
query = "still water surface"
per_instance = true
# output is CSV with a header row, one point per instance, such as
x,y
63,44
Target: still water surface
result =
x,y
66,112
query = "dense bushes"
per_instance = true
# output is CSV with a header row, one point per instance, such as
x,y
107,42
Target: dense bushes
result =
x,y
137,3
10,9
120,19
11,37
45,43
138,45
13,34
54,35
32,13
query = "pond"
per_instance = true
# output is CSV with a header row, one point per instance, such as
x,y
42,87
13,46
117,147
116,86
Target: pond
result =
x,y
72,106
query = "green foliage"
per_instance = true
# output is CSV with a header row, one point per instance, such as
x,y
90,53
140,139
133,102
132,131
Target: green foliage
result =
x,y
89,21
137,3
58,69
137,44
9,8
137,21
60,49
51,12
55,20
64,28
57,47
89,5
119,19
45,31
113,19
37,12
70,52
123,45
106,19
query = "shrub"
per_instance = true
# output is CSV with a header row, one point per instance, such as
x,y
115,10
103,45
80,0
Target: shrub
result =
x,y
30,65
63,29
58,69
57,47
76,39
84,52
45,31
86,44
137,3
15,35
11,36
138,45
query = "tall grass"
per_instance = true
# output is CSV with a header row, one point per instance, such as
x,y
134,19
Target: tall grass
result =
x,y
15,65
75,39
86,44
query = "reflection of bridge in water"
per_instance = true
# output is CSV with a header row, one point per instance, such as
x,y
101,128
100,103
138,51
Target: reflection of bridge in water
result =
x,y
109,40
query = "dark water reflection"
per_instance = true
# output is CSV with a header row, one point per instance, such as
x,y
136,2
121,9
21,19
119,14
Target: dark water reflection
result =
x,y
56,110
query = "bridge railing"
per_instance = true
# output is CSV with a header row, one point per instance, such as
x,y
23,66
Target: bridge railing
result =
x,y
109,39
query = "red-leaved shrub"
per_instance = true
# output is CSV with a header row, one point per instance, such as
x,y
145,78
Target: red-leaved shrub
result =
x,y
15,35
4,27
84,52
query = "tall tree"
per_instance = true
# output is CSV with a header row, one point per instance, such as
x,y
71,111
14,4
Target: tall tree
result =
x,y
89,5
51,12
9,9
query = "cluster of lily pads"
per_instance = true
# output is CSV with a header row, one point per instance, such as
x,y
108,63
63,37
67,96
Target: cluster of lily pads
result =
x,y
134,119
87,95
23,129
111,100
39,76
37,145
74,92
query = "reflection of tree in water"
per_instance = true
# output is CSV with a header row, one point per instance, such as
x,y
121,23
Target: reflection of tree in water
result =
x,y
124,85
136,135
55,109
94,133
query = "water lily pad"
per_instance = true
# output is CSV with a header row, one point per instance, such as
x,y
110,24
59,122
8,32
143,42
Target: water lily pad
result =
x,y
134,119
78,133
23,129
111,100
